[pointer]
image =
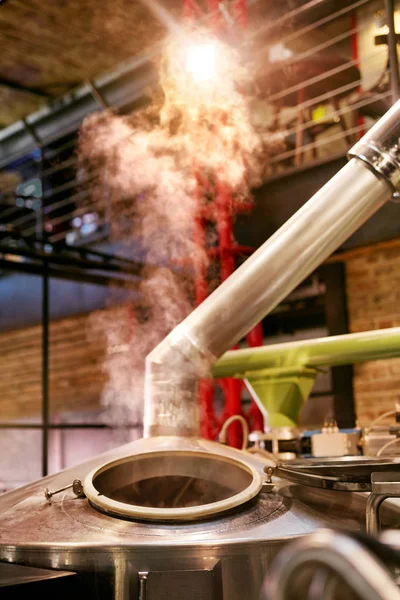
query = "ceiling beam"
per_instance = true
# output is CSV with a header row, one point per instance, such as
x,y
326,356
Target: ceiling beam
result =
x,y
124,88
14,85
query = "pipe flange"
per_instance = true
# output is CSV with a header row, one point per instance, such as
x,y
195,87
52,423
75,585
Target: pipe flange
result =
x,y
383,161
379,149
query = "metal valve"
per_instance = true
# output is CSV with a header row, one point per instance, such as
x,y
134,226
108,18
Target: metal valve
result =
x,y
76,486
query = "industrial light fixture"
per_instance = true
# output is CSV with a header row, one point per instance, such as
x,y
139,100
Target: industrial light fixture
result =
x,y
201,62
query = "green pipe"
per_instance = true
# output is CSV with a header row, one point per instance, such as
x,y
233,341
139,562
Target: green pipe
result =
x,y
320,352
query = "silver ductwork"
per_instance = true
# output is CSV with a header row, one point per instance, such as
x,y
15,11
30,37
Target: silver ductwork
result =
x,y
350,198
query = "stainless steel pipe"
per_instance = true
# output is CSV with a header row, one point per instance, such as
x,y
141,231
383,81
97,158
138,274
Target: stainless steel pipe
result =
x,y
342,556
349,199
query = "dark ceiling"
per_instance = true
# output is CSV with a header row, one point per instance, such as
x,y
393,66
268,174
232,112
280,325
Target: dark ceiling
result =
x,y
51,47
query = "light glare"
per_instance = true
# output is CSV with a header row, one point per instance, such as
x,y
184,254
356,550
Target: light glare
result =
x,y
201,62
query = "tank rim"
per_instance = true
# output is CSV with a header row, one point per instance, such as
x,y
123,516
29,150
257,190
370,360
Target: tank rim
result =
x,y
135,512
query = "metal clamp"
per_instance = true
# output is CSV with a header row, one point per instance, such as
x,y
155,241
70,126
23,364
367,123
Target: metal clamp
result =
x,y
76,486
267,485
380,148
383,486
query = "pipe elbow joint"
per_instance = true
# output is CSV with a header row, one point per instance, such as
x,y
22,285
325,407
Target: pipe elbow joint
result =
x,y
173,371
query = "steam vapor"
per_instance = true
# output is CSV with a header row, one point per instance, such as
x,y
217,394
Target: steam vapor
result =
x,y
151,163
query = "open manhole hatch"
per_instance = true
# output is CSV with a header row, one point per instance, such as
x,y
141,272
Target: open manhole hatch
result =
x,y
171,485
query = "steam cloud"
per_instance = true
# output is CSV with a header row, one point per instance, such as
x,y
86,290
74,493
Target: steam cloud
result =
x,y
151,163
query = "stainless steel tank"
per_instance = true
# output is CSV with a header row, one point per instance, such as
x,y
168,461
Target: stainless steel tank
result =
x,y
220,548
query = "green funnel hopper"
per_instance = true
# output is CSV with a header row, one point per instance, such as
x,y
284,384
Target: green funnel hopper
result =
x,y
281,376
280,393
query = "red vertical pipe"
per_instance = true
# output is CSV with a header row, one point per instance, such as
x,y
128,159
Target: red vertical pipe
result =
x,y
206,388
239,8
225,230
208,425
254,338
215,15
200,268
199,241
187,10
232,387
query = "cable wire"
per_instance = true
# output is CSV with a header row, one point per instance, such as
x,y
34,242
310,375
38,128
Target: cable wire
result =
x,y
228,422
387,445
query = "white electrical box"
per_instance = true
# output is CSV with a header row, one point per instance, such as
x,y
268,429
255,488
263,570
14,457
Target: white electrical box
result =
x,y
332,442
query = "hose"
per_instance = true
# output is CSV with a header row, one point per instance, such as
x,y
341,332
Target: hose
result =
x,y
254,449
384,415
387,445
227,423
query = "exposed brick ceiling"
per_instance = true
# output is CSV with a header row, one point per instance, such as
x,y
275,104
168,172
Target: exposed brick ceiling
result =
x,y
53,46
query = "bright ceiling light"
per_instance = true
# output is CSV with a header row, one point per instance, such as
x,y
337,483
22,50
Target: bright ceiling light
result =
x,y
201,62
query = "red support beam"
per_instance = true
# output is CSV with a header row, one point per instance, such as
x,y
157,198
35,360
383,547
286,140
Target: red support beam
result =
x,y
255,338
221,213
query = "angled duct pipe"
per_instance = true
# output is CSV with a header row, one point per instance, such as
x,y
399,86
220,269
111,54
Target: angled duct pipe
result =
x,y
349,199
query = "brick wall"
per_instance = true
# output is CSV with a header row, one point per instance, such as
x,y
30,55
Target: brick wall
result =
x,y
373,297
76,378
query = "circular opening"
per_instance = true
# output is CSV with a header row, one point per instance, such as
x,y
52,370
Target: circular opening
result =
x,y
171,485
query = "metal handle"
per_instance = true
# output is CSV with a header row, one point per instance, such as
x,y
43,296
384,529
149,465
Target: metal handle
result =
x,y
76,486
383,486
143,585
